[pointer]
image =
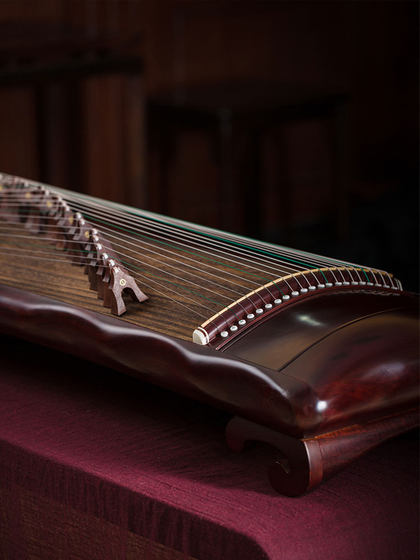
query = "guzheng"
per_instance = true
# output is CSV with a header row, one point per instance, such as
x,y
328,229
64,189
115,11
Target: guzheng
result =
x,y
313,355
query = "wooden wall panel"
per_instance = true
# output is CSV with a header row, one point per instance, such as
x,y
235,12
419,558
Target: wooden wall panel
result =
x,y
367,49
103,137
18,153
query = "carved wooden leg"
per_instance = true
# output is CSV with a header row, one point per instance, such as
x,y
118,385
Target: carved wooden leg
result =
x,y
290,474
302,464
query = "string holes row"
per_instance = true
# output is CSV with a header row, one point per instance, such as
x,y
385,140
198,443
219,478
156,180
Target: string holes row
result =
x,y
295,293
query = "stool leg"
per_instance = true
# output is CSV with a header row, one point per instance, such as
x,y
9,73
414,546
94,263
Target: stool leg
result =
x,y
59,133
340,166
41,115
134,126
166,154
228,195
253,184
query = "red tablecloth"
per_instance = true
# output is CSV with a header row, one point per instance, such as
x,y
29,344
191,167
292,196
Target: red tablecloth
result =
x,y
96,465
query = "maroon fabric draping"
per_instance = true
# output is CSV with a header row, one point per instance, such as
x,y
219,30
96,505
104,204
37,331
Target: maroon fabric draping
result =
x,y
96,465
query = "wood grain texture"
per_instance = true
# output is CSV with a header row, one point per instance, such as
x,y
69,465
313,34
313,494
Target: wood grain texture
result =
x,y
66,282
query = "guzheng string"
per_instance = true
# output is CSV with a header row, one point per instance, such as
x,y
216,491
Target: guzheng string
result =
x,y
129,268
142,276
239,293
77,202
112,234
137,260
260,265
314,263
198,252
39,257
145,283
274,250
131,218
281,270
111,220
137,246
40,253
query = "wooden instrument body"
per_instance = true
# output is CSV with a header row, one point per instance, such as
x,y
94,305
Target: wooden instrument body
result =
x,y
312,355
323,380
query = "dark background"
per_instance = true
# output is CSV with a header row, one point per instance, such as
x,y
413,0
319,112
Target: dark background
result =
x,y
99,143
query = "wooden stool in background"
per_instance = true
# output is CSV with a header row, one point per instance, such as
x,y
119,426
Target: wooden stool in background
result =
x,y
229,111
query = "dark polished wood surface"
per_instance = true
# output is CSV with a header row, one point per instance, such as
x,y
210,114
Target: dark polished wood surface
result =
x,y
293,410
357,352
304,403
